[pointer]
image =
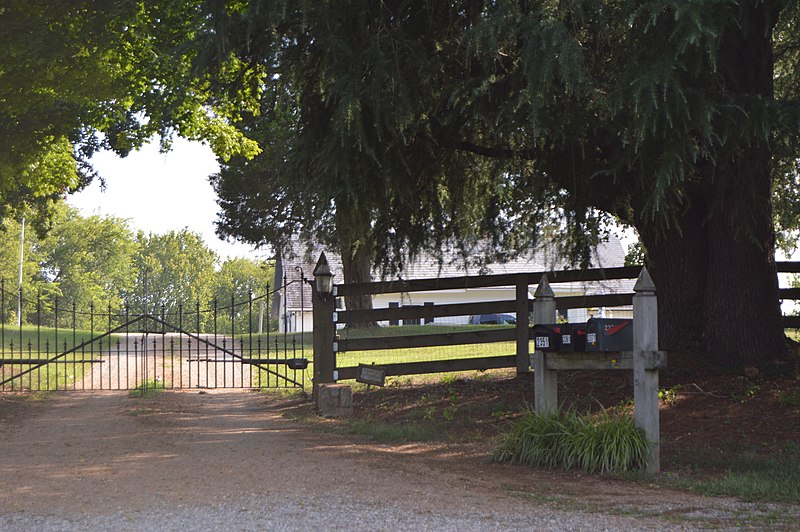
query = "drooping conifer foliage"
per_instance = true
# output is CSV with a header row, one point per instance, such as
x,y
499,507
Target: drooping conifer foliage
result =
x,y
414,123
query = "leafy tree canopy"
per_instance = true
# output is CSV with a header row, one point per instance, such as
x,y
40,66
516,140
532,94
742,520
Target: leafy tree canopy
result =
x,y
87,260
173,269
80,76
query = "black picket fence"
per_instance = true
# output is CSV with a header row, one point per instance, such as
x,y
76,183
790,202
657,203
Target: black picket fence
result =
x,y
62,346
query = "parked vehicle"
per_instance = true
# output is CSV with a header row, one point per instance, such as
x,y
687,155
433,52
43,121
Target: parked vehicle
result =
x,y
493,319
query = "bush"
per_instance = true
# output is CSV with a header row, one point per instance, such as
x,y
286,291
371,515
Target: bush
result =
x,y
596,443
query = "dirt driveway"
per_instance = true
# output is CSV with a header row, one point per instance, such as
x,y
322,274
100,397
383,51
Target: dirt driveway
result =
x,y
228,460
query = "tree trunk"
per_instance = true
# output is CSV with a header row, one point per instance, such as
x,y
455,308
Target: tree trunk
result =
x,y
678,263
715,269
357,268
718,291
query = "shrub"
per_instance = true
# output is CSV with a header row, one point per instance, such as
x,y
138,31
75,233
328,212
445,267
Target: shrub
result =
x,y
596,443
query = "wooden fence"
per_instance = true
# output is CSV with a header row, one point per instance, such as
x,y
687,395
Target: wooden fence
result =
x,y
645,360
789,322
327,345
326,319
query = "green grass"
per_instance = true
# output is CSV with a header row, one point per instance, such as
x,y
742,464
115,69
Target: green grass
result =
x,y
306,340
147,388
285,342
43,340
420,354
40,343
595,443
46,343
297,344
64,375
748,476
268,381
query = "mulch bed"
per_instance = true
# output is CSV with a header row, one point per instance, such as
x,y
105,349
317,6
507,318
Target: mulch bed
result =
x,y
702,417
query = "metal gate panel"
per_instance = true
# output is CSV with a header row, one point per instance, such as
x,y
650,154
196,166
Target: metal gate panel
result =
x,y
181,350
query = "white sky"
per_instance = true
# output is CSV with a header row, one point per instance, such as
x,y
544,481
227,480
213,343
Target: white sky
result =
x,y
159,192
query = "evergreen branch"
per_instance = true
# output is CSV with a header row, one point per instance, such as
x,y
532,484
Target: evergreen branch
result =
x,y
496,152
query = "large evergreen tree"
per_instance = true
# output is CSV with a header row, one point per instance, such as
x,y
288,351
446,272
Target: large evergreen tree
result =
x,y
436,120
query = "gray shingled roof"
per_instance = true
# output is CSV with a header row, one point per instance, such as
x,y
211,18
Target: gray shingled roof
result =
x,y
609,254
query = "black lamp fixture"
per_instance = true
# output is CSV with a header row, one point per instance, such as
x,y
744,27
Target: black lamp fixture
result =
x,y
323,278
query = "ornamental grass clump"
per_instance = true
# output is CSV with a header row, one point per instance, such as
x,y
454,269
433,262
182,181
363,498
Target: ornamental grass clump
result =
x,y
593,442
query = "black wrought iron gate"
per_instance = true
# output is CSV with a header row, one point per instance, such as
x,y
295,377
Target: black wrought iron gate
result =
x,y
120,351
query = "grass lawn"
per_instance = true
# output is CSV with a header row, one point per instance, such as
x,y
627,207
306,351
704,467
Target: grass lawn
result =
x,y
389,356
297,343
40,343
42,339
45,343
301,344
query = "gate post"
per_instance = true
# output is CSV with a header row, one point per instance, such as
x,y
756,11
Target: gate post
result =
x,y
523,327
323,306
645,381
545,380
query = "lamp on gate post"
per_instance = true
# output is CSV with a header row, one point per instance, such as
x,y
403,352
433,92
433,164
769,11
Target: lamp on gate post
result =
x,y
323,277
324,326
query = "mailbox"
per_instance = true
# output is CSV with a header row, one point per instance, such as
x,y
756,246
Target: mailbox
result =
x,y
573,337
603,334
547,337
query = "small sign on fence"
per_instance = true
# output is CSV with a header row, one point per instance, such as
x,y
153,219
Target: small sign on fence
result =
x,y
371,374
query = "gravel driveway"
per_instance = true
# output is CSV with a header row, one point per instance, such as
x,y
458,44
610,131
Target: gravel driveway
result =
x,y
227,460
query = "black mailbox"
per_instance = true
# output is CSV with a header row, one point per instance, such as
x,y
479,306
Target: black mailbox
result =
x,y
547,337
604,334
297,363
573,337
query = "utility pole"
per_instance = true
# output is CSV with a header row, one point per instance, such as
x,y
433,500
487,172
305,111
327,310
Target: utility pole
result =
x,y
19,283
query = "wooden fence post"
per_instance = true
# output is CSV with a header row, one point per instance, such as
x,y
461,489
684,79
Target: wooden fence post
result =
x,y
545,380
323,307
523,326
645,381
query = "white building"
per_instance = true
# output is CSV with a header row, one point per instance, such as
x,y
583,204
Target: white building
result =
x,y
293,308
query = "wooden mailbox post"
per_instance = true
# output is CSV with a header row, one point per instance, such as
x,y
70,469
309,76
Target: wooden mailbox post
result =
x,y
645,360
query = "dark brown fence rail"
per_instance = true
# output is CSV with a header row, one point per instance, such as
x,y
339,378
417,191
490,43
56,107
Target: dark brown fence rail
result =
x,y
484,281
522,333
789,322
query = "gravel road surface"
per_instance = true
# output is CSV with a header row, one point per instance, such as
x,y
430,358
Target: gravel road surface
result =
x,y
228,460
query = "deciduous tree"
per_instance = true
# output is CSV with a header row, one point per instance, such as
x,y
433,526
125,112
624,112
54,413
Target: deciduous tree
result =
x,y
83,75
242,283
88,260
173,269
